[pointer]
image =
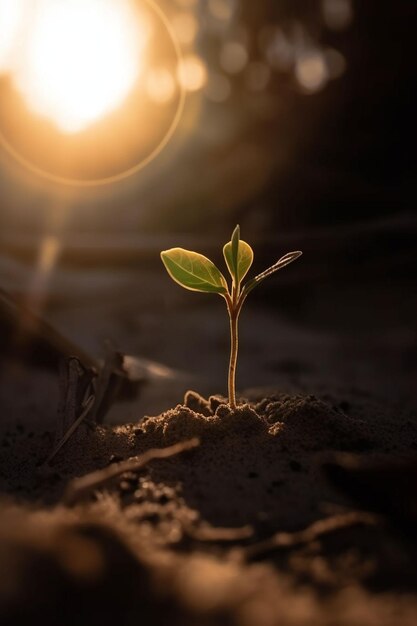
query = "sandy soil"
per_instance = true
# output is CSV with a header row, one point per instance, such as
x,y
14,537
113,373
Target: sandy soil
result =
x,y
298,509
247,528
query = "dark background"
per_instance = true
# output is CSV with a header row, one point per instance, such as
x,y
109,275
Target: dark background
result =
x,y
330,172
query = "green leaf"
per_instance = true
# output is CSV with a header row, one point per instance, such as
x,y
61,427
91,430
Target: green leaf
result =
x,y
193,271
235,249
283,261
238,256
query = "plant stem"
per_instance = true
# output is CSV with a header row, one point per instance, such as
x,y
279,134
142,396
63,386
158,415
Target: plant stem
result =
x,y
234,305
234,343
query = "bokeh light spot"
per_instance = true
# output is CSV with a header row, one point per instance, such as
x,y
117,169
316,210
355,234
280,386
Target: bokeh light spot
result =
x,y
192,73
336,63
337,14
279,50
233,57
221,9
311,71
186,4
185,27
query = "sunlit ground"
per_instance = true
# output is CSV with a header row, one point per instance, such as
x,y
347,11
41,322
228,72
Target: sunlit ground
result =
x,y
77,60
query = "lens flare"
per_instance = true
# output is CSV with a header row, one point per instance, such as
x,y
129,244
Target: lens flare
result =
x,y
11,14
78,59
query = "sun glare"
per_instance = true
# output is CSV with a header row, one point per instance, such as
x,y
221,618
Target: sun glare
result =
x,y
78,59
11,14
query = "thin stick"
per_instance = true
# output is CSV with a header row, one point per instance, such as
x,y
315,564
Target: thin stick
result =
x,y
80,486
214,533
89,403
285,540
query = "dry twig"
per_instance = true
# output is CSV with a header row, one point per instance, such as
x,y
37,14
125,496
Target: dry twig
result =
x,y
76,387
317,530
215,533
80,486
89,403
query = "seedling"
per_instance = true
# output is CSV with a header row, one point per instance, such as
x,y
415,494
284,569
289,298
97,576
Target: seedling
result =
x,y
196,272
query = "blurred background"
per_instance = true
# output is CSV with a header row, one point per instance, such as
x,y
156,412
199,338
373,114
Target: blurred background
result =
x,y
132,129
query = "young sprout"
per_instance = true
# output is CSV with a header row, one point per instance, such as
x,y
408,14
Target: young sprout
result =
x,y
196,272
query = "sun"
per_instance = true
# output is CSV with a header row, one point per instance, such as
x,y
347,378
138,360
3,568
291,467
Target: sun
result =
x,y
77,60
